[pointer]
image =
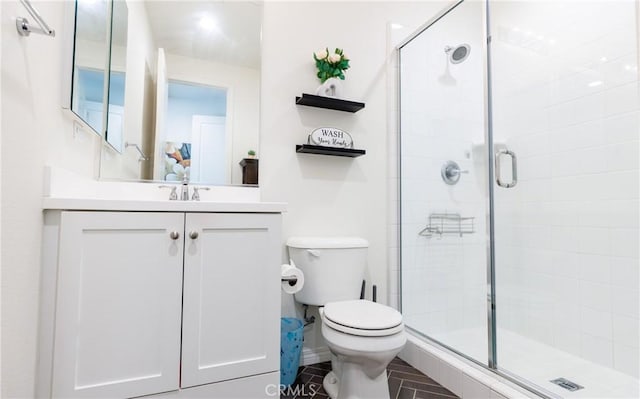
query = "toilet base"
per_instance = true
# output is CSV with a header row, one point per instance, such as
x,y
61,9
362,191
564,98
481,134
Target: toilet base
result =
x,y
330,385
354,384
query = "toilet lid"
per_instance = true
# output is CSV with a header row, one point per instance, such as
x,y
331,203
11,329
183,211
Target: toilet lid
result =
x,y
362,317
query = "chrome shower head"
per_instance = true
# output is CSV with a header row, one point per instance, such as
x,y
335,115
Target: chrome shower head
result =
x,y
458,54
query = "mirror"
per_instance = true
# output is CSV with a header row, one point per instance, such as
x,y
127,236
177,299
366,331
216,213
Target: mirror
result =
x,y
91,51
184,90
117,74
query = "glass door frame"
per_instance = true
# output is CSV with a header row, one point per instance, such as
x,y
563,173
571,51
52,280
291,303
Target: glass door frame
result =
x,y
492,355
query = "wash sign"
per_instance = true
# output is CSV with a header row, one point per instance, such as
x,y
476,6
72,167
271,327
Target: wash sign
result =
x,y
331,137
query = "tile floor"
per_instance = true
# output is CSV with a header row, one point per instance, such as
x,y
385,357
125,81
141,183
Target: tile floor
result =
x,y
405,382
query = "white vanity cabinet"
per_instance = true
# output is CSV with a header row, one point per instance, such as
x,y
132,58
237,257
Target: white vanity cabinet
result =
x,y
144,303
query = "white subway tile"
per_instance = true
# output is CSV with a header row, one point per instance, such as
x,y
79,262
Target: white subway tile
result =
x,y
596,323
622,156
625,272
595,268
594,240
568,339
597,350
625,302
626,331
621,99
595,296
565,239
536,167
622,128
567,290
626,359
561,115
623,185
614,72
566,263
624,242
589,108
609,213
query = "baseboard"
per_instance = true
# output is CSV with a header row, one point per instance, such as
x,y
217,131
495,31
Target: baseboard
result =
x,y
315,355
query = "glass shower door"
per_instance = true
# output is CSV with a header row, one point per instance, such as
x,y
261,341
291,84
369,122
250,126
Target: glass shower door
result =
x,y
443,182
564,83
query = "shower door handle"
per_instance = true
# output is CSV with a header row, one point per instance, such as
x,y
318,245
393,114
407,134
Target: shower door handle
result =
x,y
514,168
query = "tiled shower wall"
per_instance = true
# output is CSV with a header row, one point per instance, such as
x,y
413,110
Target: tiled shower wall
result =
x,y
566,101
567,234
443,277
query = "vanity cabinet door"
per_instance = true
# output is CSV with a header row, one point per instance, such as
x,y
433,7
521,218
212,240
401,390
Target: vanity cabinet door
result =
x,y
119,293
231,311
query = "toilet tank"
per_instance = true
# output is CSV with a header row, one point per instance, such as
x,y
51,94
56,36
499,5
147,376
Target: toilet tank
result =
x,y
333,267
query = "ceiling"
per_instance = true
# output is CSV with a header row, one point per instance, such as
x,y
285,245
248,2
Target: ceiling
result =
x,y
234,39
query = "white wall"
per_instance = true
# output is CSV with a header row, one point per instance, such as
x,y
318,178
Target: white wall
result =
x,y
567,102
35,131
330,195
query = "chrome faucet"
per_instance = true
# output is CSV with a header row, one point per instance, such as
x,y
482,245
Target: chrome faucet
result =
x,y
174,195
184,190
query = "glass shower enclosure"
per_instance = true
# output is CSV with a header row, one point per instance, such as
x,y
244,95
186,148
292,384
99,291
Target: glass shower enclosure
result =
x,y
519,186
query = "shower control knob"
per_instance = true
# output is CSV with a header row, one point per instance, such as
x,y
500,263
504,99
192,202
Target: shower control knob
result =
x,y
451,172
193,235
174,235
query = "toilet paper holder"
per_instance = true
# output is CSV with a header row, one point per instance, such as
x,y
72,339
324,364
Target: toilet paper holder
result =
x,y
292,280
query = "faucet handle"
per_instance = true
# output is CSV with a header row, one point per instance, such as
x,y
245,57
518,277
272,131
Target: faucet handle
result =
x,y
196,194
173,196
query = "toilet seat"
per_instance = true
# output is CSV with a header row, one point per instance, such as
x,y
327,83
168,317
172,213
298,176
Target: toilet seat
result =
x,y
362,318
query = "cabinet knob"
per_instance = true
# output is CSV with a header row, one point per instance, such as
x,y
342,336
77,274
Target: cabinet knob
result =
x,y
174,235
193,235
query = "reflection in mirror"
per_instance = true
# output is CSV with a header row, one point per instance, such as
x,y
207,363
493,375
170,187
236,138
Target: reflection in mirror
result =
x,y
196,141
117,74
202,82
89,62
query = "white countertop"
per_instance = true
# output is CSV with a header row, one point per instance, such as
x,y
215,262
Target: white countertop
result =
x,y
64,190
91,204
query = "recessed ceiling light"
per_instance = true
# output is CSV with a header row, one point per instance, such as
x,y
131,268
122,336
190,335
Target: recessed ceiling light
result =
x,y
207,24
595,83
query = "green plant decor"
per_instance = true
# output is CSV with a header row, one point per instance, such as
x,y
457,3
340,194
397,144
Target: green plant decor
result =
x,y
331,65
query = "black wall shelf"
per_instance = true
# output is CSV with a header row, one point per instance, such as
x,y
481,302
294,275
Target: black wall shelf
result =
x,y
322,150
329,103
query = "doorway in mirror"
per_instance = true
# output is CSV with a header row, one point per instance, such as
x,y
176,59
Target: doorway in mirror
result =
x,y
195,136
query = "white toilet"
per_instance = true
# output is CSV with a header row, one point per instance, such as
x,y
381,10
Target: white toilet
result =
x,y
363,336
